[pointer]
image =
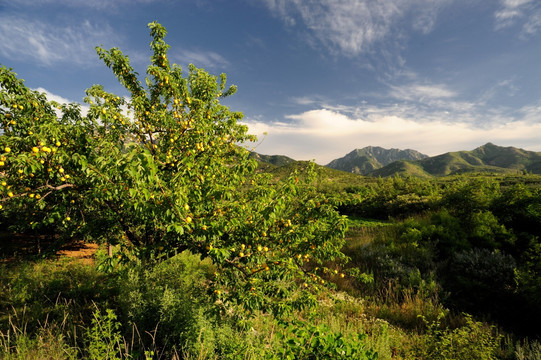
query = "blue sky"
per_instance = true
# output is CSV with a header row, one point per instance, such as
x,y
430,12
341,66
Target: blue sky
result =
x,y
319,77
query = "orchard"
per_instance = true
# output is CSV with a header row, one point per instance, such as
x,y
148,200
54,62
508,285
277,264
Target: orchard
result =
x,y
162,171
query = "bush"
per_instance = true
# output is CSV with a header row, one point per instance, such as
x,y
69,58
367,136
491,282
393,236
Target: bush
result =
x,y
481,280
473,341
166,301
306,341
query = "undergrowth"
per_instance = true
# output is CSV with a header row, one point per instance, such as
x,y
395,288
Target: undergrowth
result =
x,y
67,310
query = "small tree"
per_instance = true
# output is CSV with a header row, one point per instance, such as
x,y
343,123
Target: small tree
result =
x,y
164,176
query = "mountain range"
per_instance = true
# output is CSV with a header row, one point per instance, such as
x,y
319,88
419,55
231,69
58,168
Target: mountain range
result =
x,y
379,162
366,160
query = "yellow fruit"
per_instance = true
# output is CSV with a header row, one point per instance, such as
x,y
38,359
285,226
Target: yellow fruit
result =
x,y
4,183
35,149
38,196
20,171
0,207
2,163
10,194
58,144
188,219
342,275
241,254
103,111
61,170
68,218
7,149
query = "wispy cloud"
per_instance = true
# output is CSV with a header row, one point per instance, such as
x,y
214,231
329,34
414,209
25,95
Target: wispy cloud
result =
x,y
418,91
48,44
353,26
88,4
200,58
525,12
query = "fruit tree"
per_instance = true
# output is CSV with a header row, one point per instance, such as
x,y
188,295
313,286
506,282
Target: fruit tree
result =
x,y
163,171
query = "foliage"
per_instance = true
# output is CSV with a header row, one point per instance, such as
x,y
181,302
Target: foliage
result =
x,y
105,340
306,341
481,280
167,298
477,241
471,341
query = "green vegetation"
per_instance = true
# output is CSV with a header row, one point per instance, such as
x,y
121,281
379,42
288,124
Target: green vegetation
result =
x,y
213,258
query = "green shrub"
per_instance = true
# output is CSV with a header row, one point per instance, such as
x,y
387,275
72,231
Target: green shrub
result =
x,y
302,340
481,280
528,350
104,337
166,301
473,341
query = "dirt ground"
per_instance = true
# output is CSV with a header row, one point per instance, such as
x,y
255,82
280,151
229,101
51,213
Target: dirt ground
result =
x,y
80,251
15,247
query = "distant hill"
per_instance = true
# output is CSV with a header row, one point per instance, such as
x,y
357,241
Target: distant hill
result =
x,y
486,158
366,160
278,160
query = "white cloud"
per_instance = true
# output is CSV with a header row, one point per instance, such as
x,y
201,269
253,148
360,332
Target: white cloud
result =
x,y
353,26
325,135
47,44
52,97
61,100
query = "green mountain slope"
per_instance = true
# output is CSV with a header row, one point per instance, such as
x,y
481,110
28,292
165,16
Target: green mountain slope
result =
x,y
278,160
